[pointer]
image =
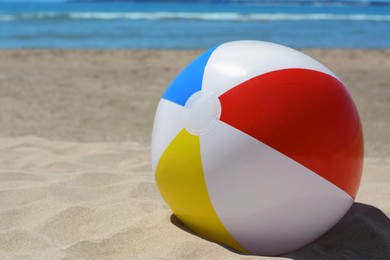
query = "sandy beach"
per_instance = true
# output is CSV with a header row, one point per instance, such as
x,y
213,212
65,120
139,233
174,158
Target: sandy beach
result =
x,y
75,172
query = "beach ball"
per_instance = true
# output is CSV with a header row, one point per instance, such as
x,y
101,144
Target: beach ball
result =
x,y
258,147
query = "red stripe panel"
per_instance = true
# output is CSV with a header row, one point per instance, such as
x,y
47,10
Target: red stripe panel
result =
x,y
304,114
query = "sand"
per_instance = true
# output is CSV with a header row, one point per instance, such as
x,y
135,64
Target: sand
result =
x,y
75,174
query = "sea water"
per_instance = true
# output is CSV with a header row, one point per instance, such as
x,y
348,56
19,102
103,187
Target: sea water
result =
x,y
195,25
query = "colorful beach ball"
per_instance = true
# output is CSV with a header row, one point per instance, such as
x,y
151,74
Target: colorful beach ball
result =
x,y
257,146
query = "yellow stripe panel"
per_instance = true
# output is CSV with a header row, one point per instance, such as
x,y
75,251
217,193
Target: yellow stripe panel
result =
x,y
179,177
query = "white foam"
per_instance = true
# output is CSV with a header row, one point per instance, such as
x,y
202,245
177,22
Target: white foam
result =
x,y
207,16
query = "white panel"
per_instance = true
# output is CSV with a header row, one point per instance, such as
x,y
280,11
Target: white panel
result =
x,y
268,202
235,62
168,122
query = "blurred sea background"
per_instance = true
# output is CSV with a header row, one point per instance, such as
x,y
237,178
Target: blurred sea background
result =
x,y
193,24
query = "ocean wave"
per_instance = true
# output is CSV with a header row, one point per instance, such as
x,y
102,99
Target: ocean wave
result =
x,y
227,16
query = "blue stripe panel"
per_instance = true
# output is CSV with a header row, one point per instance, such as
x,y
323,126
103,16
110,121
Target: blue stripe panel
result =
x,y
188,81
